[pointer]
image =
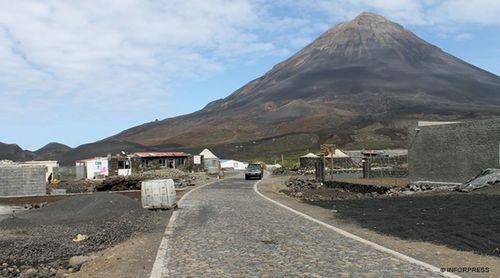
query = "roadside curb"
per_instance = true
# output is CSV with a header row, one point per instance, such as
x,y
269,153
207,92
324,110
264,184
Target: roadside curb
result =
x,y
159,268
359,239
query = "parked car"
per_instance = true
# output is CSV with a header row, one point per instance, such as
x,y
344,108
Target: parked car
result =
x,y
254,170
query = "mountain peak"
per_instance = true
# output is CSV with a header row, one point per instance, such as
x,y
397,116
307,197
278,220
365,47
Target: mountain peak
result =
x,y
52,147
359,84
365,24
365,17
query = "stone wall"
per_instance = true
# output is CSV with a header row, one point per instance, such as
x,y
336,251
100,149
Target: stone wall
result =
x,y
338,162
308,162
22,180
453,153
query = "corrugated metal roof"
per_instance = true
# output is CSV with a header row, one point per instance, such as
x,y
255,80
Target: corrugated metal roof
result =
x,y
161,154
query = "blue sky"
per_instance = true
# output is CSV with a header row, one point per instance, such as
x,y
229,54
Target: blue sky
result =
x,y
78,71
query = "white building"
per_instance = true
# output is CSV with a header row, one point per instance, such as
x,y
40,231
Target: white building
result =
x,y
210,161
233,164
93,168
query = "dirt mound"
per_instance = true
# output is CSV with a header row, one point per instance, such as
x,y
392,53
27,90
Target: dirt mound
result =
x,y
44,237
77,209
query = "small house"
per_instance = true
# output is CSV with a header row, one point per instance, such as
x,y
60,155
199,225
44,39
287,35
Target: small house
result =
x,y
126,164
210,161
92,168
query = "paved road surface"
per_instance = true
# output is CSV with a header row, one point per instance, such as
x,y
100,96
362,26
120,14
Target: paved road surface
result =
x,y
226,229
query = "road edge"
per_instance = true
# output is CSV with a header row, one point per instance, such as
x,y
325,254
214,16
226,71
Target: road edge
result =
x,y
159,265
357,238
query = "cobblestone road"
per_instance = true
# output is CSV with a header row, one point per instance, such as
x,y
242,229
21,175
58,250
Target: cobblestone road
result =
x,y
226,229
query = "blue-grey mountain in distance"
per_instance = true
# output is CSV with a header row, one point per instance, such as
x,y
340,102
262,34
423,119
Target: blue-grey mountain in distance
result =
x,y
360,84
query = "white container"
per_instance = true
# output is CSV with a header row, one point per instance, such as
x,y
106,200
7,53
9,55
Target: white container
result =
x,y
158,194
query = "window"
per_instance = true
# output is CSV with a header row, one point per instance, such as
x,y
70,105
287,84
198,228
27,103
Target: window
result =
x,y
163,162
179,161
145,163
123,164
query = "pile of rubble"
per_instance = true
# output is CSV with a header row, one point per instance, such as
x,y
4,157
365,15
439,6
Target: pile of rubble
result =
x,y
167,173
292,171
133,182
281,171
35,205
296,186
74,186
313,190
119,183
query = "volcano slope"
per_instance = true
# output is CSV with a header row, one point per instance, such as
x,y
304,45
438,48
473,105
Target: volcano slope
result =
x,y
360,84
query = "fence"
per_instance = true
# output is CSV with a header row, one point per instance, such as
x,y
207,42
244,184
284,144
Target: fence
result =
x,y
372,167
65,172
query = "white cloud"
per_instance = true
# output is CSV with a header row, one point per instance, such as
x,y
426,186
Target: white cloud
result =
x,y
463,36
101,54
483,12
419,12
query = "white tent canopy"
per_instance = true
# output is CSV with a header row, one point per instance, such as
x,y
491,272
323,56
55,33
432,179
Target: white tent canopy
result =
x,y
338,154
236,165
310,155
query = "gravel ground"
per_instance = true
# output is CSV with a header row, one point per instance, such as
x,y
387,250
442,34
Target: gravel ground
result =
x,y
463,221
43,238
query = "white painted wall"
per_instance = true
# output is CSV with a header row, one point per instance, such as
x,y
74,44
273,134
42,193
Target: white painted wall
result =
x,y
97,166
